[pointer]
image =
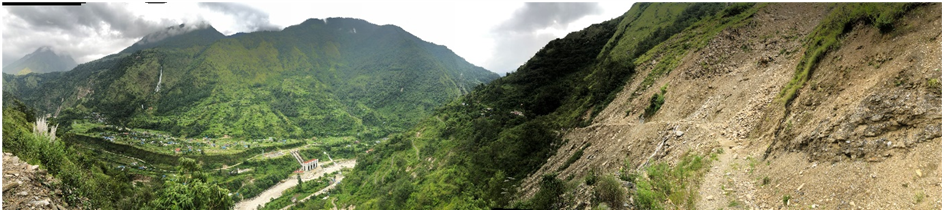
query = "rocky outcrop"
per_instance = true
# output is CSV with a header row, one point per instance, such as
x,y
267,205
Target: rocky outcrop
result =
x,y
27,187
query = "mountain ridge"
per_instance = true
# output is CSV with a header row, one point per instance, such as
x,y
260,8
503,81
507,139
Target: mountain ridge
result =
x,y
352,80
42,60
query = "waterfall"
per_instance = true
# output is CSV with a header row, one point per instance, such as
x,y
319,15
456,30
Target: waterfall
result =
x,y
159,79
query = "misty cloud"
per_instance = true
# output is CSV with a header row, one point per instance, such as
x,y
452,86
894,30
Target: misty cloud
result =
x,y
86,32
251,19
172,31
535,16
518,38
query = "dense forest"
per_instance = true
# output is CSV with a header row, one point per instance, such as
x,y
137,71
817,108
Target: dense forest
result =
x,y
311,79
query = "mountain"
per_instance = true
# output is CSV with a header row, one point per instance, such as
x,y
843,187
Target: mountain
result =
x,y
687,106
312,79
180,36
43,60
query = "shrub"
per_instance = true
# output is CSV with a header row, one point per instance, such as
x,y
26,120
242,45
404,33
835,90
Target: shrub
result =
x,y
610,191
676,183
656,101
549,195
590,179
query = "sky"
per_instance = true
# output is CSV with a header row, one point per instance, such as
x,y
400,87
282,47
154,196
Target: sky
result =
x,y
497,35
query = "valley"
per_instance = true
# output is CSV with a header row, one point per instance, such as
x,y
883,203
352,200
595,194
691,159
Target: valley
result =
x,y
717,106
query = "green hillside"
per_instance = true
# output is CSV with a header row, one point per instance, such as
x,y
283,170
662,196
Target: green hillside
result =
x,y
318,78
473,152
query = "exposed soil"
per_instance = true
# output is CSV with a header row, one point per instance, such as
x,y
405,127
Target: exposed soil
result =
x,y
27,187
864,133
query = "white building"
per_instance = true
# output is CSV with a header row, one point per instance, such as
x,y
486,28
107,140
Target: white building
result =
x,y
309,165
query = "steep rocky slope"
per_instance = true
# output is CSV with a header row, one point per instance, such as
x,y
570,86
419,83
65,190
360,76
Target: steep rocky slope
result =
x,y
862,133
27,187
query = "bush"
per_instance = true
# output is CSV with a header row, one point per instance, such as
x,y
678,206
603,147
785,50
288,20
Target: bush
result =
x,y
590,179
656,101
610,191
736,9
676,183
549,196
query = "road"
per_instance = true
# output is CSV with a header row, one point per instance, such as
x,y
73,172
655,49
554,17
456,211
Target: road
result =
x,y
276,190
337,178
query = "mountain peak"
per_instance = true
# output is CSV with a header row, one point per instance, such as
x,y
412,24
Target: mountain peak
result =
x,y
173,31
42,60
43,49
183,35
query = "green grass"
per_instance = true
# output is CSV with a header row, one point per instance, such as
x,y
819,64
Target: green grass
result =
x,y
785,199
828,35
695,37
714,154
678,183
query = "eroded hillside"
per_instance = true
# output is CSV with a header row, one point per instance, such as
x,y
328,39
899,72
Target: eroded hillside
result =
x,y
721,130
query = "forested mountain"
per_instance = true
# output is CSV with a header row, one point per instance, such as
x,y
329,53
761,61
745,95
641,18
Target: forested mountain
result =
x,y
474,151
43,60
323,77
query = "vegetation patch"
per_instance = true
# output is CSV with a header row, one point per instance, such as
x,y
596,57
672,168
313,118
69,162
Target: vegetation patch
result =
x,y
665,186
656,102
549,197
297,193
696,34
88,182
826,37
610,191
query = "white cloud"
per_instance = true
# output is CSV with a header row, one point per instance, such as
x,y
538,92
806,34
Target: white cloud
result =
x,y
466,27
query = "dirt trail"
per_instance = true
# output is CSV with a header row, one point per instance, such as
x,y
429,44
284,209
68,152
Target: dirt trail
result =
x,y
822,153
276,190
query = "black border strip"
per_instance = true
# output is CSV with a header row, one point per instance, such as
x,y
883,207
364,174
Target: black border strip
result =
x,y
156,2
43,3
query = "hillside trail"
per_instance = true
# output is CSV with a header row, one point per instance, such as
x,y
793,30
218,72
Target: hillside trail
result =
x,y
28,187
723,100
276,190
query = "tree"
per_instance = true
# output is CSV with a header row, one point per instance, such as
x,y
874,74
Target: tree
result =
x,y
300,185
190,191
